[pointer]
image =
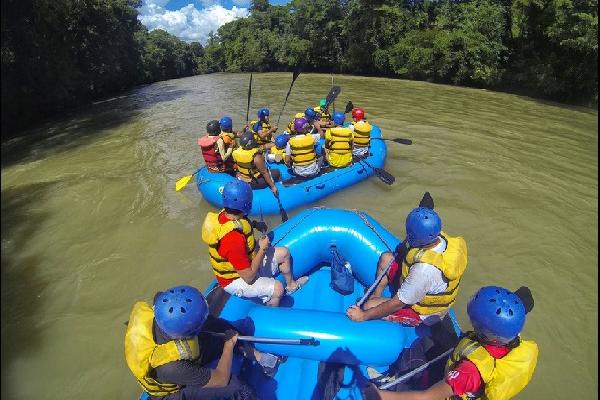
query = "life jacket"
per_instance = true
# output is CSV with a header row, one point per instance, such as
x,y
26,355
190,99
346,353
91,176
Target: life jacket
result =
x,y
275,150
228,138
325,117
303,150
143,354
362,133
255,127
210,152
452,262
339,144
244,159
290,126
212,233
503,378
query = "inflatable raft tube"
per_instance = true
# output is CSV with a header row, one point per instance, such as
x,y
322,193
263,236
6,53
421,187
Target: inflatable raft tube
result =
x,y
299,194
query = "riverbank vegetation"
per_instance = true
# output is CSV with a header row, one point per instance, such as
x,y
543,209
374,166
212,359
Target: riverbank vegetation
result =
x,y
57,53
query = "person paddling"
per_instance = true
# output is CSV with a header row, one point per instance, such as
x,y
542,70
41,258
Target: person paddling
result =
x,y
251,165
338,143
241,267
362,133
491,362
262,130
277,152
430,273
227,132
169,356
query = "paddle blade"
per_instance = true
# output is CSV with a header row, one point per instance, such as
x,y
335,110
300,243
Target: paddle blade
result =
x,y
426,201
385,176
332,95
282,212
402,141
180,184
349,107
295,74
249,95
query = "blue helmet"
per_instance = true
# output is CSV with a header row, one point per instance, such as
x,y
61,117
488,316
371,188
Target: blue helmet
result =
x,y
496,313
180,312
262,113
237,195
423,225
226,124
281,141
338,118
310,114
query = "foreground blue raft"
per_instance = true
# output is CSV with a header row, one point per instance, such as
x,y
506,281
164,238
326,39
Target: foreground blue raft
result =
x,y
302,193
317,311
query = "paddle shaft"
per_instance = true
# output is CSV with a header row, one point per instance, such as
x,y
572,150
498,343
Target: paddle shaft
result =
x,y
294,77
305,342
416,370
381,173
249,95
374,285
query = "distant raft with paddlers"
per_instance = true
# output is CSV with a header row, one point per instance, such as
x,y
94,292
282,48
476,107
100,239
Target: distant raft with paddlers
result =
x,y
210,184
341,347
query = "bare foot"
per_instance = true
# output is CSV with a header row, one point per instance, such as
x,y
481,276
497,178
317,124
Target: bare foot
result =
x,y
297,284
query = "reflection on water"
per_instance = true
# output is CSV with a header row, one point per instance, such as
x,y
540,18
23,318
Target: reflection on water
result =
x,y
91,222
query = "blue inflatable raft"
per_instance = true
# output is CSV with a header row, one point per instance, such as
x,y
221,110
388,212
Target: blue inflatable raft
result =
x,y
211,184
317,311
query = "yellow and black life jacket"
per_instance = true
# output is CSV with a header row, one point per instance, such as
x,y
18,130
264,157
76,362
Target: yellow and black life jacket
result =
x,y
143,354
452,262
338,141
275,150
303,150
503,378
256,126
362,134
212,233
325,117
290,126
228,138
244,159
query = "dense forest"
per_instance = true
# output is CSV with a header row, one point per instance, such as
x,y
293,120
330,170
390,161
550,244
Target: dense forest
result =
x,y
58,53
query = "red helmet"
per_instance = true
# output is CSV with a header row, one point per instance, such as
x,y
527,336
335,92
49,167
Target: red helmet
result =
x,y
358,114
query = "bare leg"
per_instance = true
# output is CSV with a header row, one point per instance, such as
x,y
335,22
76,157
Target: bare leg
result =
x,y
277,295
384,260
284,260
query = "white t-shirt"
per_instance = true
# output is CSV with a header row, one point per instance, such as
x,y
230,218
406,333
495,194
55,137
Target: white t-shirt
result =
x,y
304,170
423,279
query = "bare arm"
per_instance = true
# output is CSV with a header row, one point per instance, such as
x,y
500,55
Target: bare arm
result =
x,y
249,274
259,161
219,377
379,311
225,154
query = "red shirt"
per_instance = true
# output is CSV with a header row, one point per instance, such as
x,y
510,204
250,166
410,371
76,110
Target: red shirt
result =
x,y
233,248
465,377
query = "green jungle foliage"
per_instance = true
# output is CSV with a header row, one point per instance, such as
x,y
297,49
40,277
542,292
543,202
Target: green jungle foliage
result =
x,y
56,53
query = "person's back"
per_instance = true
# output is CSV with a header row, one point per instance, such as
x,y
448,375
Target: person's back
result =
x,y
362,133
300,150
277,152
262,130
215,155
251,164
338,143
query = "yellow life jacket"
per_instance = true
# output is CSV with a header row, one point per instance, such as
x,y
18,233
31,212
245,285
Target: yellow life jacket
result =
x,y
325,117
303,150
244,159
338,141
503,378
362,133
290,126
212,233
452,262
275,150
263,126
143,354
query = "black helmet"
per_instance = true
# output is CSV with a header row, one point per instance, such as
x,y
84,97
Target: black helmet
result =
x,y
247,140
213,127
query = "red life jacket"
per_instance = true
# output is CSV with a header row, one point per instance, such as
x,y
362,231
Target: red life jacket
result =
x,y
210,152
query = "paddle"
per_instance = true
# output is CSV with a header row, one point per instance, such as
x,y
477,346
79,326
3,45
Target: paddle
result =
x,y
349,107
381,173
284,216
415,371
249,94
305,342
426,201
397,140
294,77
180,184
332,95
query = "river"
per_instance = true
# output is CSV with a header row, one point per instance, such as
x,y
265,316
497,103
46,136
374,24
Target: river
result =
x,y
91,222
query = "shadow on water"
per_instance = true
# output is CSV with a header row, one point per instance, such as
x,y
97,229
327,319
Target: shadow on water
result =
x,y
21,282
84,125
